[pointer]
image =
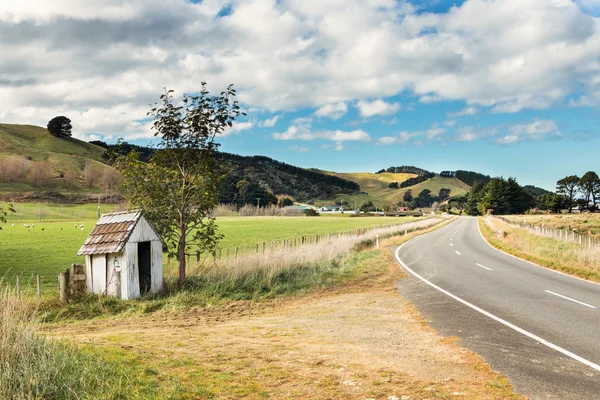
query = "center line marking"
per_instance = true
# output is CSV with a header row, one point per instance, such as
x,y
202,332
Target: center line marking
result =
x,y
568,298
483,266
498,319
457,253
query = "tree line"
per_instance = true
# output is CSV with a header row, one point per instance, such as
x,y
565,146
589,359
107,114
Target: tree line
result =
x,y
468,177
404,169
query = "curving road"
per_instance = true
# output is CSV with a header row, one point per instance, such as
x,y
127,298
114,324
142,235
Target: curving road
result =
x,y
538,327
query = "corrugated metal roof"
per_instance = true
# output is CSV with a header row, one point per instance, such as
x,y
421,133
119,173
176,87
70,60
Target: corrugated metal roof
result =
x,y
110,233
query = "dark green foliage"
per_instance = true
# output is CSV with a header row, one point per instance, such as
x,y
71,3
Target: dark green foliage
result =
x,y
60,127
468,177
499,196
417,180
423,200
406,169
444,194
408,197
100,143
535,191
568,186
286,202
590,187
552,202
381,171
393,185
367,206
4,213
311,212
457,202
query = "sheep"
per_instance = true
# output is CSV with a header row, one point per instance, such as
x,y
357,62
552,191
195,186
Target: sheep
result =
x,y
82,229
75,226
81,226
33,225
13,225
26,226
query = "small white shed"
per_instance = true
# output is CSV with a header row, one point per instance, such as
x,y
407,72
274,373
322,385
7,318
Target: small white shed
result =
x,y
125,242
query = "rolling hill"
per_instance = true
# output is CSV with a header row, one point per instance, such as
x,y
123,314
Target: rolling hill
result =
x,y
23,146
378,191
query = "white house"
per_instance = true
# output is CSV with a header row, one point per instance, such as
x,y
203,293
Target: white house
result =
x,y
125,242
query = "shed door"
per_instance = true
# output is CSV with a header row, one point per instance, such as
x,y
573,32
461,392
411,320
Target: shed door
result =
x,y
145,266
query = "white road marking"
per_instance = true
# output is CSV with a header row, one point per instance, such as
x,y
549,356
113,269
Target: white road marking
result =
x,y
568,298
457,252
483,266
498,319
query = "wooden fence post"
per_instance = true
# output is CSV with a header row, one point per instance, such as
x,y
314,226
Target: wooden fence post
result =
x,y
63,283
118,283
39,287
77,280
18,287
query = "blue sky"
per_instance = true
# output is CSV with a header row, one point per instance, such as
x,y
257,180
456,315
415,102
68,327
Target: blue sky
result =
x,y
502,87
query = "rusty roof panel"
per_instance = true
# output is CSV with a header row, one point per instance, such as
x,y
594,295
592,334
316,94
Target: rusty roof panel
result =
x,y
110,233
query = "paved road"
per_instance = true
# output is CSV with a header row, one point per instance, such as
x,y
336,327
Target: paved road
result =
x,y
538,327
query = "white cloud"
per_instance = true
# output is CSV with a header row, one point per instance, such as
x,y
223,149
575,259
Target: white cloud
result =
x,y
238,127
376,107
302,130
333,111
71,56
416,137
465,111
536,130
269,123
299,149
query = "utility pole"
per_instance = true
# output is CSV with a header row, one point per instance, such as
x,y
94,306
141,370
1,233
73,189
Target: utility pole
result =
x,y
258,199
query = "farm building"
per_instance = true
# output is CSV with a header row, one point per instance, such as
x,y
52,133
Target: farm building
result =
x,y
123,242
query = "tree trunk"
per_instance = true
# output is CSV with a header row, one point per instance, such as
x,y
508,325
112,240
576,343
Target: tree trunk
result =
x,y
181,251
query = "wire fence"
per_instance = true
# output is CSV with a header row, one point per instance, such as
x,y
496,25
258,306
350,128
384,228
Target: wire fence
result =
x,y
567,235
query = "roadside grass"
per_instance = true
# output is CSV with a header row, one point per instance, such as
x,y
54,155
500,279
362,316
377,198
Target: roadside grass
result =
x,y
51,246
34,367
584,224
260,276
567,257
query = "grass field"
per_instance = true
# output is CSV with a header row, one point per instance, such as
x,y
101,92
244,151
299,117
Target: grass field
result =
x,y
37,212
52,246
585,224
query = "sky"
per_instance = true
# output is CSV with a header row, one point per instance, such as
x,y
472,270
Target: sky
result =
x,y
501,87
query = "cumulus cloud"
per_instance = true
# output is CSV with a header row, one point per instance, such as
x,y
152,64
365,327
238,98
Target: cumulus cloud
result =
x,y
536,130
269,123
115,56
376,107
465,111
415,137
238,127
301,129
333,111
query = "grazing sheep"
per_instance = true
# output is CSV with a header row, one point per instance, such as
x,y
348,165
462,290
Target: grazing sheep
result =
x,y
13,225
81,226
26,226
43,228
75,226
33,225
82,229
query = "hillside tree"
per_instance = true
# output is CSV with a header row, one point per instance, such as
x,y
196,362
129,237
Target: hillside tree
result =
x,y
179,186
90,174
589,185
568,187
444,194
60,127
39,174
408,197
4,213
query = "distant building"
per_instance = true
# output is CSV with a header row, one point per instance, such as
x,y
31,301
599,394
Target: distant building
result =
x,y
295,210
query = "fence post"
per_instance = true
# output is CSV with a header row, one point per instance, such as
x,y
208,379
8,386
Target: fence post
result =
x,y
236,252
18,287
197,256
264,245
63,283
39,287
78,279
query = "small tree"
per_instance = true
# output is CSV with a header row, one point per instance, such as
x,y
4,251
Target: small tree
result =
x,y
286,202
111,179
444,194
179,186
568,187
70,179
408,197
60,127
590,187
39,174
90,174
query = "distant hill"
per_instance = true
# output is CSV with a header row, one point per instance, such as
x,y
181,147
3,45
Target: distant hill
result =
x,y
379,192
535,191
27,150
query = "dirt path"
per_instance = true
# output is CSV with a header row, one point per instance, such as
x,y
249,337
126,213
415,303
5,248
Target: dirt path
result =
x,y
359,341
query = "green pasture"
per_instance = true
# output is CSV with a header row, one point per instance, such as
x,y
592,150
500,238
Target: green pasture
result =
x,y
52,246
46,212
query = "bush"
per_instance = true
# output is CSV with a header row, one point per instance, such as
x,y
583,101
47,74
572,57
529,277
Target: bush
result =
x,y
311,212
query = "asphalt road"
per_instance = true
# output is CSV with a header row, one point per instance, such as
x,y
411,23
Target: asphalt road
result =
x,y
536,326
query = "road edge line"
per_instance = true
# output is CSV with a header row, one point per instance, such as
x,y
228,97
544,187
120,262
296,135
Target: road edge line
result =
x,y
531,262
496,318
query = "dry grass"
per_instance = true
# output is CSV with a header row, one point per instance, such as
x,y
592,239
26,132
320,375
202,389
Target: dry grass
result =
x,y
567,257
585,224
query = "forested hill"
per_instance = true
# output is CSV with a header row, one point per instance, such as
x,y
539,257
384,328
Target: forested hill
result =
x,y
265,175
468,177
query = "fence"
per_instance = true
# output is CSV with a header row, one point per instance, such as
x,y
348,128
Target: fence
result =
x,y
239,251
559,234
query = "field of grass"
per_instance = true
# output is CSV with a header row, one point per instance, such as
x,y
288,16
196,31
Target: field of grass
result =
x,y
584,224
47,212
51,246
